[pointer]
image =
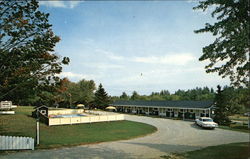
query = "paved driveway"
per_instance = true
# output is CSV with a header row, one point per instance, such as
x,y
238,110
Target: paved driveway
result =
x,y
172,136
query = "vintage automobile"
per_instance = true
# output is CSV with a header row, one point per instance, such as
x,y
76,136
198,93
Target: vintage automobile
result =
x,y
206,122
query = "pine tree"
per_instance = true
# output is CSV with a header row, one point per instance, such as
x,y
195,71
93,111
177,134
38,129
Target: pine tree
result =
x,y
135,96
124,96
102,99
221,109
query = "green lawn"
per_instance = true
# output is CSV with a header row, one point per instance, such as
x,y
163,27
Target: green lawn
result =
x,y
238,117
228,151
22,124
236,127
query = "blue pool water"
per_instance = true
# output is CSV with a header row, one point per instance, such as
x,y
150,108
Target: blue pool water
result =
x,y
68,115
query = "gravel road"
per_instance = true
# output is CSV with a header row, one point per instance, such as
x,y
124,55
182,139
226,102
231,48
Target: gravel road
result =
x,y
172,136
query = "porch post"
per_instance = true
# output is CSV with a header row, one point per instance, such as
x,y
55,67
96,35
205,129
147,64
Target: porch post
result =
x,y
183,114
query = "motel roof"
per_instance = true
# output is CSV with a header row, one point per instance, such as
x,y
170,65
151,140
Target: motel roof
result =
x,y
167,104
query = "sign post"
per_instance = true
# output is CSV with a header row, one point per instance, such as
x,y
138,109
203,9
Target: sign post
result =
x,y
37,127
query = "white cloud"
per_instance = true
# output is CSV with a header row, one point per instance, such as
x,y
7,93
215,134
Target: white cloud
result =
x,y
115,57
168,78
173,59
59,4
191,1
110,55
75,75
73,4
103,66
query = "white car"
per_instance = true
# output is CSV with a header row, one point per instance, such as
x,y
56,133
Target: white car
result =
x,y
206,122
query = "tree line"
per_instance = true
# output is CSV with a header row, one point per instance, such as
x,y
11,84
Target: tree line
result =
x,y
68,94
197,93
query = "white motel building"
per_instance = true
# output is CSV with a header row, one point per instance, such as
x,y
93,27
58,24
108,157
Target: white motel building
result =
x,y
171,109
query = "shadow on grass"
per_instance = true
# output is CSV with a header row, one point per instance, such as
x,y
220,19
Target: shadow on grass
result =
x,y
227,151
3,133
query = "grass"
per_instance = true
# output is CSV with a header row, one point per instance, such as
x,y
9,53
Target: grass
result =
x,y
22,124
241,125
238,117
235,127
227,151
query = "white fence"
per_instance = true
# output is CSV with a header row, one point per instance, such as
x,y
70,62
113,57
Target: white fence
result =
x,y
16,143
85,119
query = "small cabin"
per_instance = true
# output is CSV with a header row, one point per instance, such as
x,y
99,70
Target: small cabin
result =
x,y
42,109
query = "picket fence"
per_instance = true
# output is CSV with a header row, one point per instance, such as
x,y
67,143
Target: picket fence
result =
x,y
16,143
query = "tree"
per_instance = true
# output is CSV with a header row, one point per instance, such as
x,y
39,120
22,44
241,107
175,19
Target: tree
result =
x,y
135,96
164,93
174,97
86,94
102,99
61,95
234,99
75,93
229,53
28,64
221,108
156,98
124,96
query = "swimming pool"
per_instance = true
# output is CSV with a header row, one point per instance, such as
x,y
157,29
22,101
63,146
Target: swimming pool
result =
x,y
68,115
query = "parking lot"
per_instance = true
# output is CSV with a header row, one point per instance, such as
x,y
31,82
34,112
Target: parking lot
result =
x,y
172,136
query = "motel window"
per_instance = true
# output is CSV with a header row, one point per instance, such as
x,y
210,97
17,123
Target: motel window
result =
x,y
191,110
170,110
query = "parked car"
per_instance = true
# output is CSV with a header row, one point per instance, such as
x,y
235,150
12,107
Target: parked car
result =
x,y
206,122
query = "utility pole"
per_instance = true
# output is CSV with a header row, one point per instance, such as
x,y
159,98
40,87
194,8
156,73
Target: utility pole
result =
x,y
37,127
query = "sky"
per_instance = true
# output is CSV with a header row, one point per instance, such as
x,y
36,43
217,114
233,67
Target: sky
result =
x,y
143,46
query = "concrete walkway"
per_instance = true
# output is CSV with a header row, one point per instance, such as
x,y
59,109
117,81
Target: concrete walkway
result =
x,y
172,136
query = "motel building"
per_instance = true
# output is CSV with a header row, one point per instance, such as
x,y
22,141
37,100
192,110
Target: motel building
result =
x,y
172,109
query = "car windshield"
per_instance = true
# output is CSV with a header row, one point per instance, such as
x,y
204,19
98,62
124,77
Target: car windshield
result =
x,y
207,120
